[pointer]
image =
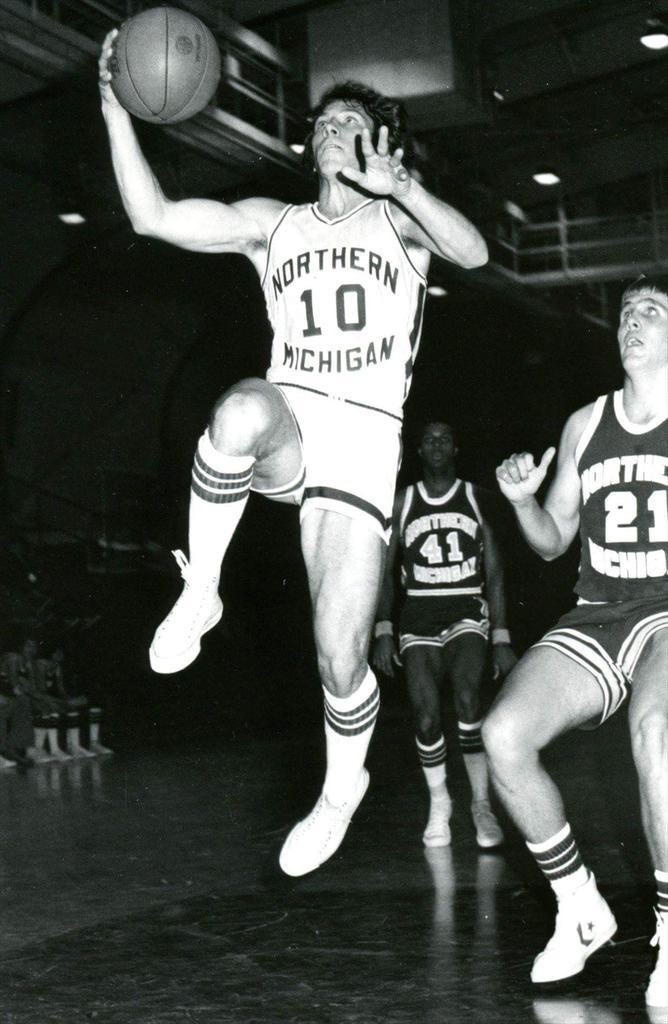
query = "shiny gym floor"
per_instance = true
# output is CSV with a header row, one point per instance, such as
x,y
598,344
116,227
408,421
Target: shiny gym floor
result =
x,y
144,888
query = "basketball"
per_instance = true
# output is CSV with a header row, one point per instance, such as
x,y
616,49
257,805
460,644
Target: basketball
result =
x,y
165,66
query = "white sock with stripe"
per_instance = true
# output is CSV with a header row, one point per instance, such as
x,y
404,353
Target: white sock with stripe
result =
x,y
475,759
470,737
219,492
349,724
559,859
432,760
661,878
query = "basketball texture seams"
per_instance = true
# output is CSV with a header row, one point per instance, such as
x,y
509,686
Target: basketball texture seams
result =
x,y
166,65
151,89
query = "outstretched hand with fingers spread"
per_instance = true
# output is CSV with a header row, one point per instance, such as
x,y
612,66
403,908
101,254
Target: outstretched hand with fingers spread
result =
x,y
384,173
519,477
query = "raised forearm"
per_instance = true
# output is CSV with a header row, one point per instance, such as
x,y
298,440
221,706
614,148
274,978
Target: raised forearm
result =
x,y
140,190
539,529
454,237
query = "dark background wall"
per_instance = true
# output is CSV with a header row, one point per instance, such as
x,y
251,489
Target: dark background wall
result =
x,y
113,358
114,348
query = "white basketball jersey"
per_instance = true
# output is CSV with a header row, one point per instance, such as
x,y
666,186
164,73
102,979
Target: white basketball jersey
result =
x,y
345,303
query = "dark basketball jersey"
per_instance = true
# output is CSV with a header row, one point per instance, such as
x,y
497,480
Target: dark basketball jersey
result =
x,y
623,471
441,539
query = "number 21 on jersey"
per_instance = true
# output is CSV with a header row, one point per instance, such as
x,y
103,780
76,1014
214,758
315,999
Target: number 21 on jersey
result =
x,y
621,508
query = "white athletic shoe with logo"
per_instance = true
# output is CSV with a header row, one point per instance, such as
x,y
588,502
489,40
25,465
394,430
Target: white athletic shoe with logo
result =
x,y
584,924
488,832
657,989
437,832
317,837
177,640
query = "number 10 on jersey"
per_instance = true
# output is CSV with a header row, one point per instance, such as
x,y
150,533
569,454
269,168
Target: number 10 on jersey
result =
x,y
350,310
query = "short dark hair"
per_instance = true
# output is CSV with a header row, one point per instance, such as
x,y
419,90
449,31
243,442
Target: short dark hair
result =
x,y
442,422
381,109
646,282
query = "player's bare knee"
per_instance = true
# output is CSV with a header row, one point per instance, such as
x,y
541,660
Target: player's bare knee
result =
x,y
493,735
504,742
342,670
241,418
428,727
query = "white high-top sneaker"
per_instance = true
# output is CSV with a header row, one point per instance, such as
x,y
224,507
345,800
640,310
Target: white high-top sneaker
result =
x,y
584,924
314,839
437,832
488,832
177,640
657,989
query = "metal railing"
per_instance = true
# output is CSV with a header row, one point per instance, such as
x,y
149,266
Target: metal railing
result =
x,y
110,535
565,251
52,37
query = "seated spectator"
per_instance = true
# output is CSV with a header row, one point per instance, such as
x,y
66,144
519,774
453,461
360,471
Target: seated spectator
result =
x,y
17,736
75,708
46,710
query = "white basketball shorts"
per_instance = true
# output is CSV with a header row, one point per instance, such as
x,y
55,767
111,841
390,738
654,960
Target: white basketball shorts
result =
x,y
351,457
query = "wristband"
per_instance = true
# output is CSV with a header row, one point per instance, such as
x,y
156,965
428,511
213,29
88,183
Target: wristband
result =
x,y
384,628
500,636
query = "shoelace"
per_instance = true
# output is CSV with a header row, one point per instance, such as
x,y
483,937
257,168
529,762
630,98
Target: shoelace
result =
x,y
311,821
485,816
182,563
483,812
186,572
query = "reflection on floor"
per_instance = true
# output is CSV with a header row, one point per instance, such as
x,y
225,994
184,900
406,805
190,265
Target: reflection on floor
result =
x,y
145,888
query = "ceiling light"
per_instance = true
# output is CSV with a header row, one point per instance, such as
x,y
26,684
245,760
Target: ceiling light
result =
x,y
515,211
655,39
436,291
655,36
71,218
297,147
546,177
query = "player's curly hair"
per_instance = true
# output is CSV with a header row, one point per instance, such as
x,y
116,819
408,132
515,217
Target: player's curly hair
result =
x,y
381,109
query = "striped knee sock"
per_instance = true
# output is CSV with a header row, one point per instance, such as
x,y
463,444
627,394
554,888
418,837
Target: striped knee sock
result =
x,y
94,719
475,759
349,724
661,892
432,761
219,492
470,737
559,859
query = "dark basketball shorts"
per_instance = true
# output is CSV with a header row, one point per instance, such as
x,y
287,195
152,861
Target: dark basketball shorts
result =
x,y
436,621
608,639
